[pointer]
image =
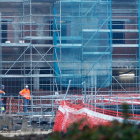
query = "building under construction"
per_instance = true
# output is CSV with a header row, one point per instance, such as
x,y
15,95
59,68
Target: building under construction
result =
x,y
77,50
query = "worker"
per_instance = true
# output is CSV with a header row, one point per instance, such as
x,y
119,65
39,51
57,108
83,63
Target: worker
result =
x,y
2,93
26,97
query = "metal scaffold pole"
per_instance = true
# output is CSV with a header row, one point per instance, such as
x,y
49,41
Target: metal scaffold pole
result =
x,y
139,40
0,51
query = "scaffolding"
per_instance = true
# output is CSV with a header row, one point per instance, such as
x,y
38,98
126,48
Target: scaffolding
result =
x,y
27,55
68,50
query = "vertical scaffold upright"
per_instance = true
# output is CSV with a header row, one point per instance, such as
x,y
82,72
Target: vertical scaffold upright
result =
x,y
139,39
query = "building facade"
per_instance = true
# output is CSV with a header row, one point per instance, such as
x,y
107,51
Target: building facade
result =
x,y
47,43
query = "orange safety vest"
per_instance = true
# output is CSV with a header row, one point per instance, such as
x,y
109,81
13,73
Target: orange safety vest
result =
x,y
1,92
25,93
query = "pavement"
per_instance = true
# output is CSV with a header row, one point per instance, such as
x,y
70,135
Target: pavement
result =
x,y
20,133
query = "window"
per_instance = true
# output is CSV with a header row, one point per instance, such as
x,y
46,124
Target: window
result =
x,y
4,31
118,38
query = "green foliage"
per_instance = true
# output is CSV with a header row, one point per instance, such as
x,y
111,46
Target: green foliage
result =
x,y
115,131
125,111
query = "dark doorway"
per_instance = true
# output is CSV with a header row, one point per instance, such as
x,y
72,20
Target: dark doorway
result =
x,y
4,31
118,38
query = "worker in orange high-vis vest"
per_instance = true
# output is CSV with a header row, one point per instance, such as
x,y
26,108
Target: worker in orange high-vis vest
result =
x,y
26,97
2,93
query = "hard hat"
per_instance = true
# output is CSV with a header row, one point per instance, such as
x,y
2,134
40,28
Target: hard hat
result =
x,y
2,86
26,86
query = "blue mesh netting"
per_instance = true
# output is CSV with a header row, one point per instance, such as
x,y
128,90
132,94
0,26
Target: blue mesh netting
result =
x,y
86,42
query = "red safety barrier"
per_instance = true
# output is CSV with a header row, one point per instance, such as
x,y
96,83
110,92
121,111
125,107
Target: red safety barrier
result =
x,y
69,113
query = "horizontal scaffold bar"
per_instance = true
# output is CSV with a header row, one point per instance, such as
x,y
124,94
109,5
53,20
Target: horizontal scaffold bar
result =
x,y
27,44
70,38
61,45
22,76
113,45
38,38
70,45
45,1
71,75
11,0
45,45
97,53
14,44
7,62
113,30
85,1
125,45
33,1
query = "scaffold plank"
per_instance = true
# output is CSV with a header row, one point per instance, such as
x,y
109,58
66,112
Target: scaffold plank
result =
x,y
46,45
71,45
70,38
92,53
60,45
15,44
113,45
7,62
125,45
71,75
46,1
84,1
33,75
113,30
33,1
38,38
11,0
